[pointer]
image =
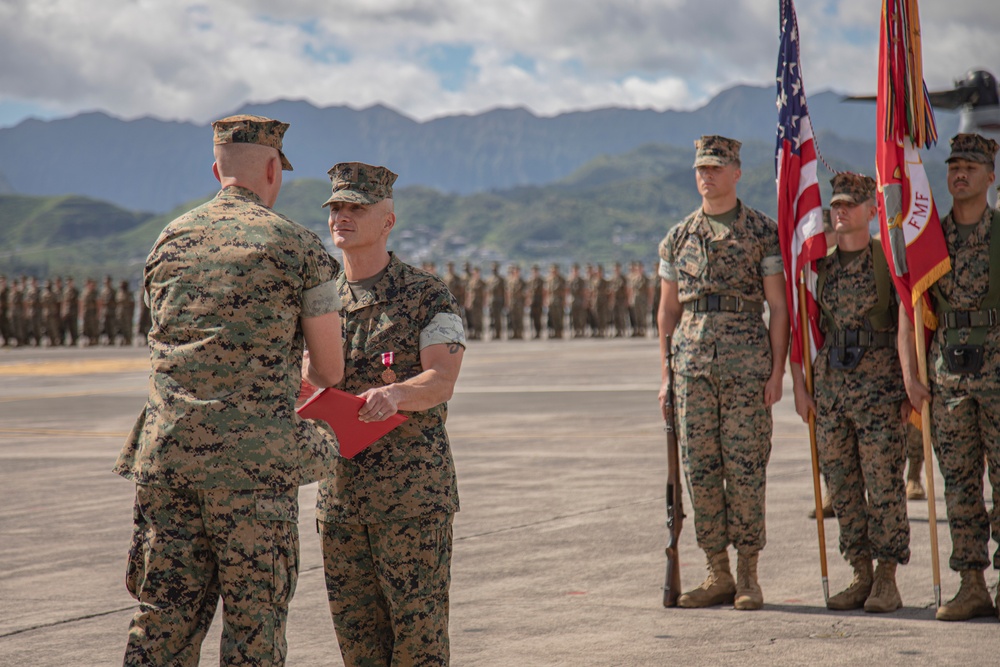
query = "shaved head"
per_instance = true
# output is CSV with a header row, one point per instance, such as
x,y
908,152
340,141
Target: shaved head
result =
x,y
252,166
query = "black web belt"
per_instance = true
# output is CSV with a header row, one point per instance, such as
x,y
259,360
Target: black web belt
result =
x,y
714,303
859,338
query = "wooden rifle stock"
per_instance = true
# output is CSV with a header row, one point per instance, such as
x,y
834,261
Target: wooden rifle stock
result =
x,y
675,506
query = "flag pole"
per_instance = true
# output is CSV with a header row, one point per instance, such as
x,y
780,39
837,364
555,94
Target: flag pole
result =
x,y
925,420
817,491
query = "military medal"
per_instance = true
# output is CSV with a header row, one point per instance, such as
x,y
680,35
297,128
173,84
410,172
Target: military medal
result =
x,y
388,375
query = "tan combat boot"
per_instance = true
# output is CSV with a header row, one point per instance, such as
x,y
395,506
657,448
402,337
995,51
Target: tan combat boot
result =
x,y
748,593
914,487
885,594
971,601
718,587
854,596
827,508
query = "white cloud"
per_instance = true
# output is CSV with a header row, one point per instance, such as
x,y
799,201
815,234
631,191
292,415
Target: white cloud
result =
x,y
196,60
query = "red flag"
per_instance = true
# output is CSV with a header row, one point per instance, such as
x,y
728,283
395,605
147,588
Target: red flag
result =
x,y
910,229
800,212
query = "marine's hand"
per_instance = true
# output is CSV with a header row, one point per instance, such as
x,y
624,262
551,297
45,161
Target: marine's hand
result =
x,y
662,396
804,404
917,392
380,404
772,390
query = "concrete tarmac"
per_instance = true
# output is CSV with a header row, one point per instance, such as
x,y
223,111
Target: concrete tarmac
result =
x,y
558,554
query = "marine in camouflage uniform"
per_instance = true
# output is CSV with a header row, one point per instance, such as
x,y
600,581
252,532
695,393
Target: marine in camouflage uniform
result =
x,y
15,303
536,300
107,308
618,288
50,314
496,289
125,313
218,453
964,373
859,399
386,515
516,288
91,322
599,301
476,304
32,312
555,288
70,311
639,300
5,333
577,302
718,267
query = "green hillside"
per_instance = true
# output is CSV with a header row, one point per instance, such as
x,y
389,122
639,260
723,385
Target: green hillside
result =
x,y
617,207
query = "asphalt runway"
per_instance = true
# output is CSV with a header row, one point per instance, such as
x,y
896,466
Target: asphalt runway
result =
x,y
558,554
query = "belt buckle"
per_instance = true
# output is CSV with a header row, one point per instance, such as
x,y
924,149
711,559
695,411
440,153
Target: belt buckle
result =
x,y
962,319
712,302
851,338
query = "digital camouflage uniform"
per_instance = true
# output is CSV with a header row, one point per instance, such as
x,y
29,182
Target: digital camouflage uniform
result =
x,y
71,312
536,302
218,452
496,288
556,287
516,288
859,433
639,283
91,324
721,362
618,288
50,314
599,301
125,313
32,313
5,332
578,305
107,307
965,411
386,515
477,302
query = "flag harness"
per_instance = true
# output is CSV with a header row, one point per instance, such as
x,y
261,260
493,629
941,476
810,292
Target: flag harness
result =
x,y
968,358
848,346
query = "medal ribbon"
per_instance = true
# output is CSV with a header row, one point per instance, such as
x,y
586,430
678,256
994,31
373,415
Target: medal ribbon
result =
x,y
388,358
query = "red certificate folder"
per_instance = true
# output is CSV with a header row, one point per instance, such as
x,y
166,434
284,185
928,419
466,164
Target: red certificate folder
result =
x,y
340,410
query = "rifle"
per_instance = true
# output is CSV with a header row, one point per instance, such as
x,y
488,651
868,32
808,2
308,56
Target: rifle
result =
x,y
675,506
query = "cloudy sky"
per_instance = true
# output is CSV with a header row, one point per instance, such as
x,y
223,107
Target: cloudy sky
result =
x,y
195,61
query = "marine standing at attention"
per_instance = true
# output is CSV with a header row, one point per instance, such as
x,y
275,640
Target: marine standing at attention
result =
x,y
860,403
218,453
717,268
385,516
963,368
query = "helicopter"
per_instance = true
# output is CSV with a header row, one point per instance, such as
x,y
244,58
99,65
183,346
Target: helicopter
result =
x,y
977,98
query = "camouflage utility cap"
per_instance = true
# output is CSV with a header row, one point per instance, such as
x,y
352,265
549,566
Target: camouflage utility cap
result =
x,y
974,148
360,183
715,151
852,188
246,129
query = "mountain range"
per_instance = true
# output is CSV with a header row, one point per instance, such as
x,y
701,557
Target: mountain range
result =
x,y
154,165
504,185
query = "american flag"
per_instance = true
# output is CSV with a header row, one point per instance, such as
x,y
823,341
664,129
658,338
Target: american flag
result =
x,y
800,212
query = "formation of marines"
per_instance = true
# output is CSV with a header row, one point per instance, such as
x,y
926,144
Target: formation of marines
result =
x,y
507,305
57,313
